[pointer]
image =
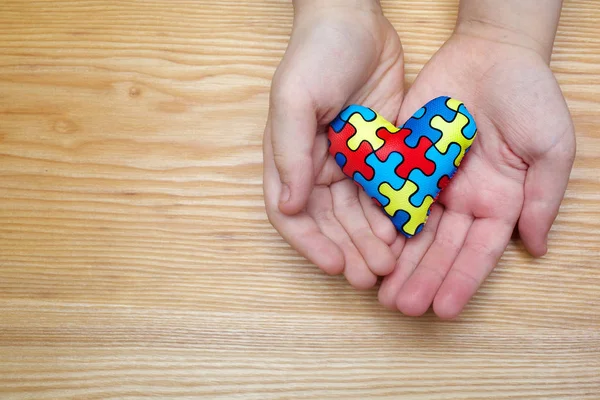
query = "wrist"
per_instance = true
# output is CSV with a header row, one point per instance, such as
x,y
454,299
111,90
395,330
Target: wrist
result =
x,y
529,24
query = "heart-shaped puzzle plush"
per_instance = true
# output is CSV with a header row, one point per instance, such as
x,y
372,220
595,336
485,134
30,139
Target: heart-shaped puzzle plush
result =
x,y
403,169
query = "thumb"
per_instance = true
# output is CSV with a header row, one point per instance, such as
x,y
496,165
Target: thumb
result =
x,y
545,186
293,129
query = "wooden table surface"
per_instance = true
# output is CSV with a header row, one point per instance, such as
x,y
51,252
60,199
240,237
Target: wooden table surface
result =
x,y
136,259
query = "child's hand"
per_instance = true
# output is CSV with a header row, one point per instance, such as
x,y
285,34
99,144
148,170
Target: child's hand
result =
x,y
339,53
515,174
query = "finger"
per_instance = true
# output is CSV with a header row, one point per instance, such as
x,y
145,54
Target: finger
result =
x,y
486,241
299,230
356,271
348,210
417,293
411,255
398,245
545,187
293,128
381,225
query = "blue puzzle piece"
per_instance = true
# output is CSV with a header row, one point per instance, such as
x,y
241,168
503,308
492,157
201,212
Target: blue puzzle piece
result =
x,y
419,228
341,160
469,130
344,116
400,219
419,124
420,112
384,172
428,185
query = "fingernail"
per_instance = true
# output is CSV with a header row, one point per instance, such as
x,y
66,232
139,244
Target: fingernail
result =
x,y
285,193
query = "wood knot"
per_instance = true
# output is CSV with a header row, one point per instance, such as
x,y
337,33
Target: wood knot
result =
x,y
134,91
65,126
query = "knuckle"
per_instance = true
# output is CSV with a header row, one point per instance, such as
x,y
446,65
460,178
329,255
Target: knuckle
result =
x,y
447,243
361,231
467,277
286,93
484,249
408,262
324,215
281,95
434,269
280,159
347,202
291,161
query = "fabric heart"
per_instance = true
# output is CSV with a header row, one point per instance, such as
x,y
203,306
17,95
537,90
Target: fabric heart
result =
x,y
403,169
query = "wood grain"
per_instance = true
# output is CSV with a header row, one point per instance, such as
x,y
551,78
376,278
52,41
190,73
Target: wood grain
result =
x,y
136,259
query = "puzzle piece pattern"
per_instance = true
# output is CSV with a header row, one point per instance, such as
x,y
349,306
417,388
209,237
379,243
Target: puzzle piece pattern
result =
x,y
401,200
386,173
403,169
351,161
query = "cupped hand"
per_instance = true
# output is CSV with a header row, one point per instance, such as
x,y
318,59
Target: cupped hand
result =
x,y
337,54
514,176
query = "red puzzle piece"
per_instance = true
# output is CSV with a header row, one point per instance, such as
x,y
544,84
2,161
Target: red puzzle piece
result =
x,y
414,157
355,160
443,182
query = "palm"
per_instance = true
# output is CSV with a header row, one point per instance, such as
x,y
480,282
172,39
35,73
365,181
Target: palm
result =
x,y
470,227
334,59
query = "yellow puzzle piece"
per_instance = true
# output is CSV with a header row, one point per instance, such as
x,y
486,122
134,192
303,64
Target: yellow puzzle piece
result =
x,y
399,200
367,131
452,134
